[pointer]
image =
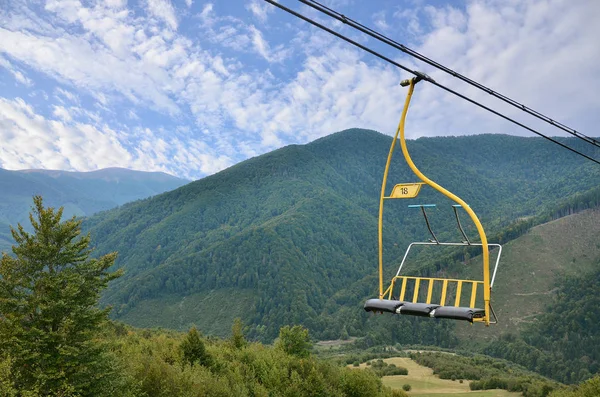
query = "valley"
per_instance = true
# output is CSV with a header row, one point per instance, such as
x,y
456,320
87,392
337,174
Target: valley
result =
x,y
424,383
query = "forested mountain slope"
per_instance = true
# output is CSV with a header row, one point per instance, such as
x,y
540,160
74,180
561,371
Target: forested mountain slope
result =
x,y
564,341
534,266
81,193
289,237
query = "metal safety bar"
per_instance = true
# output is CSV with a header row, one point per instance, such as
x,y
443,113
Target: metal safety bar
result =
x,y
422,206
454,207
459,245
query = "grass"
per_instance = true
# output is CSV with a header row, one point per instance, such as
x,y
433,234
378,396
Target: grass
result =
x,y
425,384
211,312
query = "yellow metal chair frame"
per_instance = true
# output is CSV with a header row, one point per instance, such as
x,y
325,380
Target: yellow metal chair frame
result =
x,y
411,190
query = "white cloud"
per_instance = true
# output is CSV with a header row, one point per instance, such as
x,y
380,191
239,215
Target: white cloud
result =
x,y
62,113
380,22
133,115
189,3
260,9
408,18
207,15
80,62
116,3
22,79
33,141
259,43
262,47
164,10
221,108
523,51
17,74
61,94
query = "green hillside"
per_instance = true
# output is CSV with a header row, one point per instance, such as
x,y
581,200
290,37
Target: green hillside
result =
x,y
564,341
533,268
290,236
80,193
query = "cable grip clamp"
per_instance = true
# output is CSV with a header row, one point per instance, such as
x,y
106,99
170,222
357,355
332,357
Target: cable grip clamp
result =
x,y
419,76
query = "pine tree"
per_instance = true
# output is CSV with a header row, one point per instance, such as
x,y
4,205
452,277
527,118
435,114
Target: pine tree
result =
x,y
49,318
237,334
193,350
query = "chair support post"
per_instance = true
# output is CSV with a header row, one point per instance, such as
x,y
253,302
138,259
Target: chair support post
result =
x,y
450,195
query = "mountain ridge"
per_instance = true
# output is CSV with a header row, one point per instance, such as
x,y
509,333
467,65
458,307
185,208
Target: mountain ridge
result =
x,y
114,172
80,193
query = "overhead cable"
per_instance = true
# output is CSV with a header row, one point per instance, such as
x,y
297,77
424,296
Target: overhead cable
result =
x,y
423,76
364,29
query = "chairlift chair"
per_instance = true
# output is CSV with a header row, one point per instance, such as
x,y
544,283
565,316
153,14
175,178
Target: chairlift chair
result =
x,y
403,305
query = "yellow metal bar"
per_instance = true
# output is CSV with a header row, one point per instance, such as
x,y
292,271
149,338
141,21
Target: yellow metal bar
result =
x,y
430,290
416,293
403,290
458,292
391,289
387,290
473,294
380,221
444,291
440,279
458,200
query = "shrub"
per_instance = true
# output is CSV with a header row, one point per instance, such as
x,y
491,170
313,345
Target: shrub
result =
x,y
360,383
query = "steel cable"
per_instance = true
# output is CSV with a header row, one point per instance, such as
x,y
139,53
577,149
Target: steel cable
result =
x,y
384,39
425,77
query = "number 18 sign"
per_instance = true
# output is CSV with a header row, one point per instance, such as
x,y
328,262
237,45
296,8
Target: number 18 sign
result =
x,y
406,190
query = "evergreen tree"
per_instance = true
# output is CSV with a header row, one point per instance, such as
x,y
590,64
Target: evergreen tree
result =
x,y
237,334
49,319
193,349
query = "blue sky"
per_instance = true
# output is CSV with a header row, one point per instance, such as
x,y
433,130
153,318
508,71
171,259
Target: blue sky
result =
x,y
191,87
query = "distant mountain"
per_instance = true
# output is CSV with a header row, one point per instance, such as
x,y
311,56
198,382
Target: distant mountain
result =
x,y
81,193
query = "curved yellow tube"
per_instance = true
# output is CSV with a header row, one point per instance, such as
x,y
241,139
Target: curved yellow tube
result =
x,y
381,198
458,200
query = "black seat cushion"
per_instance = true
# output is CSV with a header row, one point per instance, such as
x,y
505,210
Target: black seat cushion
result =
x,y
383,305
458,313
423,309
418,309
